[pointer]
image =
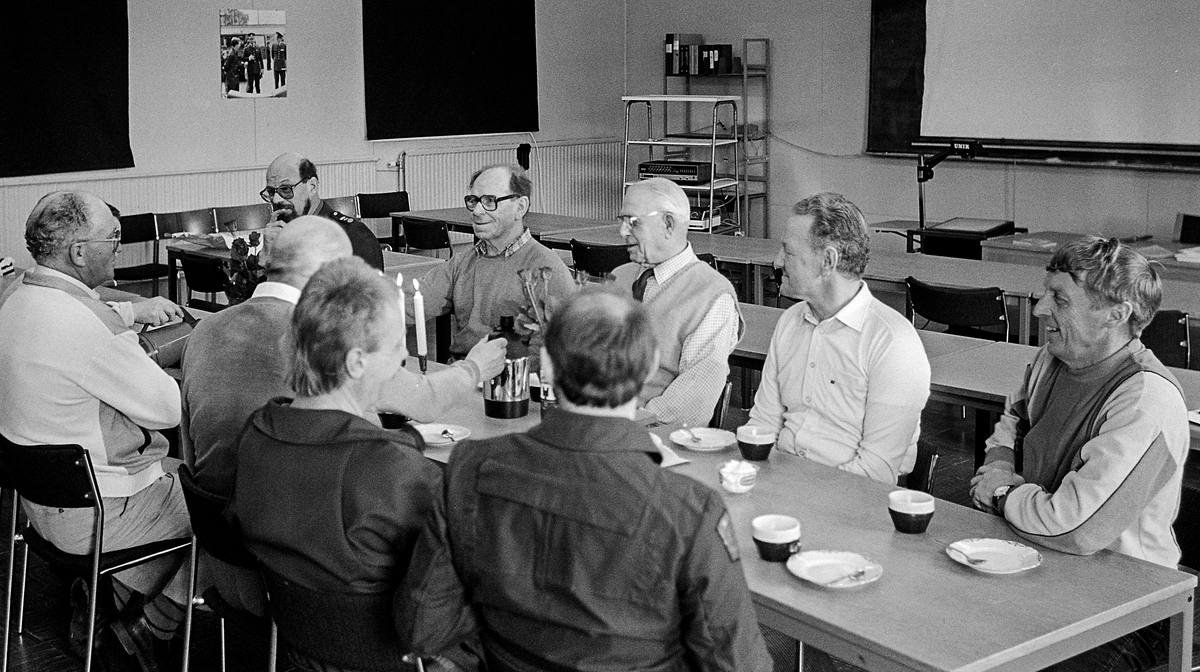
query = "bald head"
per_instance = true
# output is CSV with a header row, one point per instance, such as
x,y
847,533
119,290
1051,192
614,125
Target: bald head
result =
x,y
302,247
285,163
60,218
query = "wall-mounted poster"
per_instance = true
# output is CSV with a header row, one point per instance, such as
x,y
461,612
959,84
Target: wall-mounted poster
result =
x,y
254,62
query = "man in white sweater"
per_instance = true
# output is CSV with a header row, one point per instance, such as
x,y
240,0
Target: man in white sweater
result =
x,y
73,372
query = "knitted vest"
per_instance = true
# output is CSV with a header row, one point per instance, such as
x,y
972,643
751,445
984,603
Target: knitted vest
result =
x,y
675,311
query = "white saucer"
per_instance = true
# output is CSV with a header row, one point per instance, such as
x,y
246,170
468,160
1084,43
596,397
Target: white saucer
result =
x,y
834,569
710,439
433,433
998,556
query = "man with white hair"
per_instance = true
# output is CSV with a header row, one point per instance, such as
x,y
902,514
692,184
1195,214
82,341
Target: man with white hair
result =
x,y
693,307
74,373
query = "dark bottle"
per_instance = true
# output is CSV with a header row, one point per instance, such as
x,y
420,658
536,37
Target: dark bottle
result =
x,y
507,395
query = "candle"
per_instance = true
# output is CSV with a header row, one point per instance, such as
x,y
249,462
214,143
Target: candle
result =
x,y
419,321
400,290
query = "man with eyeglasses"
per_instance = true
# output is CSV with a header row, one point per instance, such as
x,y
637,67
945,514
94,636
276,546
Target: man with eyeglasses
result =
x,y
692,306
481,287
293,190
74,373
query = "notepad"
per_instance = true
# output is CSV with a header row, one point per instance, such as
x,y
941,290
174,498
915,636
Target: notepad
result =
x,y
1037,243
1155,252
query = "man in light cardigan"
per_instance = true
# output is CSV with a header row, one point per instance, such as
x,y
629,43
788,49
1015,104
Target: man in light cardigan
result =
x,y
73,372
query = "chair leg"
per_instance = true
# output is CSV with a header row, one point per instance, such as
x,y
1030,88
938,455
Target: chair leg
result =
x,y
273,652
21,599
191,608
8,593
221,630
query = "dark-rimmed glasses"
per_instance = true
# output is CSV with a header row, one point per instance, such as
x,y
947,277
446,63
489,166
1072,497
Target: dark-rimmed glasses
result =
x,y
489,201
284,190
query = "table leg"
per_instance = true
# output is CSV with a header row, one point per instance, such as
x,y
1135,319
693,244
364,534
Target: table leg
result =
x,y
755,277
1179,658
172,273
1026,317
984,421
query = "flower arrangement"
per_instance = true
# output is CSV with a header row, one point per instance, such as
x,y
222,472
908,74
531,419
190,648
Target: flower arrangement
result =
x,y
243,272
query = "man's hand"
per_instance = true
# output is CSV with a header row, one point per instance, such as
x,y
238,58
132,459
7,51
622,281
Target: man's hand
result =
x,y
156,311
489,357
989,477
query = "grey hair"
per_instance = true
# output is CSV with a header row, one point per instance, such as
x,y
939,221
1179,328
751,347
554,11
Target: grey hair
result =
x,y
340,309
1112,273
602,347
839,223
518,180
58,220
668,196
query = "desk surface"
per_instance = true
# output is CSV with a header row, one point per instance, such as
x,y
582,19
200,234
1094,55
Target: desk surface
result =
x,y
539,223
926,612
1037,248
732,249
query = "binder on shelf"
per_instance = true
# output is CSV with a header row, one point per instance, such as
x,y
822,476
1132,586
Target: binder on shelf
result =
x,y
676,63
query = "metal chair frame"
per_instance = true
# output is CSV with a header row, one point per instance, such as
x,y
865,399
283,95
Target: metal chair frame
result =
x,y
958,307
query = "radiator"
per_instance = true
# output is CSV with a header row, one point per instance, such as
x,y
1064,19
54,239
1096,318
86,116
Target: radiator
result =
x,y
580,179
163,192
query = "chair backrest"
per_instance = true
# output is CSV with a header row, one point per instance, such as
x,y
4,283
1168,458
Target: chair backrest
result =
x,y
206,276
1187,229
382,204
196,222
426,235
710,259
959,306
214,533
597,259
924,470
72,485
348,630
138,229
1167,337
242,217
722,407
347,205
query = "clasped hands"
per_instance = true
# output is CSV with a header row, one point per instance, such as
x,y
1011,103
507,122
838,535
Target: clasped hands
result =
x,y
989,477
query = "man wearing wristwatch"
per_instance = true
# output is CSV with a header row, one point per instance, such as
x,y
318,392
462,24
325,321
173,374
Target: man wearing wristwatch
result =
x,y
1101,426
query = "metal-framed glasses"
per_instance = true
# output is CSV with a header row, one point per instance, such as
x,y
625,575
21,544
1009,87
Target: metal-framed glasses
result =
x,y
634,220
115,242
489,201
284,190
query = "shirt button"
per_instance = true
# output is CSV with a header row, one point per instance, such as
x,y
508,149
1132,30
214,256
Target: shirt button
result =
x,y
808,400
812,365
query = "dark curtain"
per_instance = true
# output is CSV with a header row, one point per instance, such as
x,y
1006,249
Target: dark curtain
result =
x,y
449,67
66,85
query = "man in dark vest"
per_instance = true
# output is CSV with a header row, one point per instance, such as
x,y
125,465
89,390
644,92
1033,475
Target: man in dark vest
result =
x,y
1102,426
293,190
693,307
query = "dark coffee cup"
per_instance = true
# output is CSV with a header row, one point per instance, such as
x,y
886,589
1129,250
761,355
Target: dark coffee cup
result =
x,y
392,420
911,510
755,443
777,537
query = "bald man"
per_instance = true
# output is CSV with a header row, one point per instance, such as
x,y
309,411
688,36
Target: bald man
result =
x,y
294,190
74,373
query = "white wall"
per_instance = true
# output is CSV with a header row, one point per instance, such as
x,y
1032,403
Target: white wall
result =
x,y
820,57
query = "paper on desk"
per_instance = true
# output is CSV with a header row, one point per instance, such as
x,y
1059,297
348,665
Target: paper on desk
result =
x,y
1154,252
1038,243
670,457
1190,255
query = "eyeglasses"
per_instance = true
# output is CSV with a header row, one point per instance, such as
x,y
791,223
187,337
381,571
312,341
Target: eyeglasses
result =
x,y
115,242
284,190
633,220
489,201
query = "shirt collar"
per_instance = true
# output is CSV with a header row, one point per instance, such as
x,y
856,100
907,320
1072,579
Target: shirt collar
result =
x,y
853,314
481,247
46,270
277,290
665,270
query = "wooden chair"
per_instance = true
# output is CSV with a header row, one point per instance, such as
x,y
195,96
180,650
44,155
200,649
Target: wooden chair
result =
x,y
211,532
243,217
722,407
425,235
1168,338
965,311
206,276
61,476
141,230
380,206
194,222
597,261
923,475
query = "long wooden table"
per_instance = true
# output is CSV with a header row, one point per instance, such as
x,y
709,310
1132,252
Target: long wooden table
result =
x,y
926,612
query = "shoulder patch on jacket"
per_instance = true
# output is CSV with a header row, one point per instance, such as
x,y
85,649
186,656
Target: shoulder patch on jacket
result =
x,y
344,219
725,529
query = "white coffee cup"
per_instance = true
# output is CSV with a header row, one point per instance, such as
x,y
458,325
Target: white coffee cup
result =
x,y
776,536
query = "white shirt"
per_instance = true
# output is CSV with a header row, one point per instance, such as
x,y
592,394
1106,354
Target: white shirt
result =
x,y
277,290
847,391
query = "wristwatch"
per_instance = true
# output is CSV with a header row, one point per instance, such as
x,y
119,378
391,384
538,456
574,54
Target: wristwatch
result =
x,y
999,492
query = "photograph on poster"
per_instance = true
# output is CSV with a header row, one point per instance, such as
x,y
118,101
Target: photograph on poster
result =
x,y
253,53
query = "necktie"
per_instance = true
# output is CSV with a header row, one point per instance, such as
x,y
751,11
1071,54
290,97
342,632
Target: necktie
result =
x,y
639,285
